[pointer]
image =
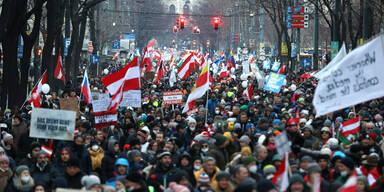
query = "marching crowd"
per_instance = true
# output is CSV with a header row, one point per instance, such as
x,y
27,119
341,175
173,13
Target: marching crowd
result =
x,y
227,143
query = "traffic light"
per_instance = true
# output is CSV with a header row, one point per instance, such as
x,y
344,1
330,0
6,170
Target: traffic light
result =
x,y
175,29
196,30
236,38
181,22
216,22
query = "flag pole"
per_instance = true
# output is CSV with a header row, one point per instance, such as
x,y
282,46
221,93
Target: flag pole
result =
x,y
26,99
206,110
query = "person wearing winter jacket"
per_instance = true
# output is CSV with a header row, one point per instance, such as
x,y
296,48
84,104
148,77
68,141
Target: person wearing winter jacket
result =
x,y
42,170
22,180
121,169
108,162
5,172
73,174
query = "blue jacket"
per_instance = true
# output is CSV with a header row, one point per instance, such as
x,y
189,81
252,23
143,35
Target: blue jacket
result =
x,y
119,161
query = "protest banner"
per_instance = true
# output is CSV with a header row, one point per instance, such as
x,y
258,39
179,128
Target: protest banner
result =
x,y
245,67
357,78
105,118
266,64
342,53
70,104
52,124
283,145
100,102
275,66
274,82
172,97
131,98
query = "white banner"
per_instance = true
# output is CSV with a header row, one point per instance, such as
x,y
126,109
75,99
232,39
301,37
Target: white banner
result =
x,y
131,98
245,67
340,56
100,102
357,78
105,118
52,124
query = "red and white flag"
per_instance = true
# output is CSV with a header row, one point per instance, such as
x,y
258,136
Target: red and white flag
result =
x,y
76,132
225,71
157,55
42,81
115,56
247,93
127,78
159,72
351,126
186,68
47,150
281,176
201,86
351,184
147,56
282,69
59,71
372,175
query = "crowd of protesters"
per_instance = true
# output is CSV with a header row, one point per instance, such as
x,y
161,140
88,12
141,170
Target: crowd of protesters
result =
x,y
227,143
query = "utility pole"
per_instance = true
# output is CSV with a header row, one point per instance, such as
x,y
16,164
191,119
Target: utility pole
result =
x,y
316,37
335,26
367,18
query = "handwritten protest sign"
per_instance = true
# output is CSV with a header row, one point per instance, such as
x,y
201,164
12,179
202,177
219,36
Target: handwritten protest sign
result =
x,y
131,98
357,78
105,118
274,82
70,104
100,102
172,97
245,67
52,124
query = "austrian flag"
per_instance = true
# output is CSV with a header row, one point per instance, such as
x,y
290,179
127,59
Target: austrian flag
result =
x,y
248,93
351,126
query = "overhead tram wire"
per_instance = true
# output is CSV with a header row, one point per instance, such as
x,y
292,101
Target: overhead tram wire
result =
x,y
170,14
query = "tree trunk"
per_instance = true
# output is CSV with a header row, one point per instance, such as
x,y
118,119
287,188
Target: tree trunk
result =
x,y
76,61
48,46
29,41
14,11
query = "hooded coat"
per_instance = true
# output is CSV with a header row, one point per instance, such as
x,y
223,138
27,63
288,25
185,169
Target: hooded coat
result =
x,y
120,161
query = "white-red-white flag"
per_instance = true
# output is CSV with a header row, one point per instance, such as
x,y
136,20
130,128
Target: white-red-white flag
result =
x,y
147,56
351,126
351,184
247,93
186,68
59,71
281,176
127,78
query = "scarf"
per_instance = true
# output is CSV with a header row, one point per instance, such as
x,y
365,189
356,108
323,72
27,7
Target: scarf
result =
x,y
96,157
23,186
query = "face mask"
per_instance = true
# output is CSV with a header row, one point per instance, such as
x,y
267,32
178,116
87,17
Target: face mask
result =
x,y
157,118
39,190
204,150
25,179
197,167
253,169
192,128
217,112
344,173
156,131
95,148
131,188
165,124
3,170
269,176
